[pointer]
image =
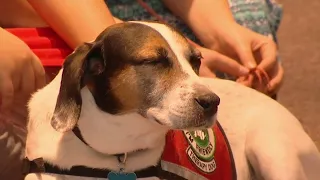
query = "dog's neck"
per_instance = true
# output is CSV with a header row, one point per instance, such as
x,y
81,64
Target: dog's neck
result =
x,y
106,134
116,133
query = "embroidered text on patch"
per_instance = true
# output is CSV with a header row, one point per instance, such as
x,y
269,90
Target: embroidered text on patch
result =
x,y
201,149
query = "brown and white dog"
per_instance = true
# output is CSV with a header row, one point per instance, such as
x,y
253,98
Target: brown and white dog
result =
x,y
136,81
123,91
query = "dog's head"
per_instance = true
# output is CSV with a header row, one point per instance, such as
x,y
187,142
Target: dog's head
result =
x,y
147,68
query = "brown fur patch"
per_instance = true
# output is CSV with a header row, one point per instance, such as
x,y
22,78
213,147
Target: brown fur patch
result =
x,y
149,49
126,88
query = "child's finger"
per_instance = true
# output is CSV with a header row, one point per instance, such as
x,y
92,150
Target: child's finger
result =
x,y
275,83
246,57
225,64
268,53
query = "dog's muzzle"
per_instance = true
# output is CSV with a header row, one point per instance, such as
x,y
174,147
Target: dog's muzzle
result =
x,y
207,101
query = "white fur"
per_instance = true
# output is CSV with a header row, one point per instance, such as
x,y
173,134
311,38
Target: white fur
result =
x,y
264,133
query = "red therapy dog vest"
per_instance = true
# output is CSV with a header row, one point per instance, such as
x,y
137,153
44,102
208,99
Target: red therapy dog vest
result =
x,y
201,154
193,155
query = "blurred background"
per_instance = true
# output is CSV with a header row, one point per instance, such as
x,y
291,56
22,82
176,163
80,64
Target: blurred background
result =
x,y
299,41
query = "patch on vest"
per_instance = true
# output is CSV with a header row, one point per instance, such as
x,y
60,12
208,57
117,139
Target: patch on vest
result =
x,y
201,149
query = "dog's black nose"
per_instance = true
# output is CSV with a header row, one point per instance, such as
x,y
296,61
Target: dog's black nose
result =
x,y
207,100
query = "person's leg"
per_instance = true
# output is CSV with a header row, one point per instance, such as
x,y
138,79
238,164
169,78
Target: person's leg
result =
x,y
12,143
11,153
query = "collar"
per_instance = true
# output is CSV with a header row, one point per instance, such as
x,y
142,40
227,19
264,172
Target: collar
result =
x,y
77,133
40,166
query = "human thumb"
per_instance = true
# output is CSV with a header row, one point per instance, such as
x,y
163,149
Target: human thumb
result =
x,y
246,57
222,63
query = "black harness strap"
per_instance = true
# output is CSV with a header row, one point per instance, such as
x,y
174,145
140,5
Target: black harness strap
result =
x,y
39,166
77,132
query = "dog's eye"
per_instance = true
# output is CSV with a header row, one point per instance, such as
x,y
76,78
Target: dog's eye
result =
x,y
195,61
151,61
147,61
199,57
161,60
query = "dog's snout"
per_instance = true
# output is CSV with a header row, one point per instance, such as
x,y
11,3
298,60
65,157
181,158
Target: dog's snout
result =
x,y
207,100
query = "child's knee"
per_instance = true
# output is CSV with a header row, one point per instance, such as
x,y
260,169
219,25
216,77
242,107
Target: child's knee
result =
x,y
11,153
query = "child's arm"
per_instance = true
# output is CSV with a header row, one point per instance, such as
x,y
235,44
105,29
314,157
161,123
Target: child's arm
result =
x,y
203,17
76,21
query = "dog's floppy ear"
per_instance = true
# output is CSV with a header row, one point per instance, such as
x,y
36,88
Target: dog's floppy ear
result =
x,y
87,59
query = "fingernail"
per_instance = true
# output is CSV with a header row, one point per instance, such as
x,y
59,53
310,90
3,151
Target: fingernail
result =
x,y
243,70
251,65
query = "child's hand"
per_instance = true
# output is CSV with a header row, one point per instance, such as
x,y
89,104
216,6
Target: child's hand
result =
x,y
250,49
21,72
